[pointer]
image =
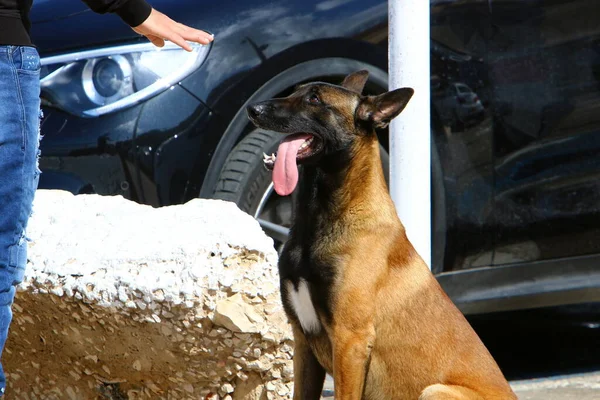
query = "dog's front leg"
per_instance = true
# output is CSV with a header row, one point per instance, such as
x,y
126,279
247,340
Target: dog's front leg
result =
x,y
309,375
351,357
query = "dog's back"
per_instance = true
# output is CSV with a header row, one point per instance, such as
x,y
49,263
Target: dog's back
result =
x,y
430,342
421,338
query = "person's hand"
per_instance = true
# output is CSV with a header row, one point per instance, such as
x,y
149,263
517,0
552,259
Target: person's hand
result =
x,y
158,28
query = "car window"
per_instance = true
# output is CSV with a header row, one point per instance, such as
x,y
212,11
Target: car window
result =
x,y
544,63
544,60
461,26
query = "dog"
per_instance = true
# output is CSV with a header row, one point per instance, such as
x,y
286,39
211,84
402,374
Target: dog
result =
x,y
363,305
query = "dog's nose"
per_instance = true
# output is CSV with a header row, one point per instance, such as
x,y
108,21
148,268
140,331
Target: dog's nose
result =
x,y
255,110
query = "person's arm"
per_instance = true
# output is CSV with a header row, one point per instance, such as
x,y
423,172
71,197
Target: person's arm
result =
x,y
132,12
145,20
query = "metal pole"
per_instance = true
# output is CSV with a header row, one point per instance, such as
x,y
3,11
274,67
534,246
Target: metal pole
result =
x,y
410,152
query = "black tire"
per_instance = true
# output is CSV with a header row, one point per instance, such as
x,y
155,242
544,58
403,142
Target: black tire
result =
x,y
244,179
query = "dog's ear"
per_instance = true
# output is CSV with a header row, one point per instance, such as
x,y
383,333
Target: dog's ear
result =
x,y
382,109
356,81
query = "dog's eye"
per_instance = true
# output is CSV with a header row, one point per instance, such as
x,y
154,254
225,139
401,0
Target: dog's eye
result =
x,y
313,99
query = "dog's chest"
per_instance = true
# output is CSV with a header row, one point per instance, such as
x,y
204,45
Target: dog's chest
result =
x,y
306,283
301,304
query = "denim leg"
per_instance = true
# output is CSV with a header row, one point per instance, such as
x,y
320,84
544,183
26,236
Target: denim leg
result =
x,y
19,137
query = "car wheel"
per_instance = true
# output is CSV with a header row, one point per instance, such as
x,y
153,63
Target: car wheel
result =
x,y
245,181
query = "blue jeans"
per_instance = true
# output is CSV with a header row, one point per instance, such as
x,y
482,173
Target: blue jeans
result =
x,y
19,143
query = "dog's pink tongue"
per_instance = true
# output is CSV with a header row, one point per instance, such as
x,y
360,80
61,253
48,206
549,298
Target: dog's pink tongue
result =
x,y
285,171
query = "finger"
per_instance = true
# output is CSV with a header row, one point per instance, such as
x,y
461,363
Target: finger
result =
x,y
195,35
178,40
158,42
155,40
170,30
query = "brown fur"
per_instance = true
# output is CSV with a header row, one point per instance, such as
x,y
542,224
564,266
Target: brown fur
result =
x,y
393,332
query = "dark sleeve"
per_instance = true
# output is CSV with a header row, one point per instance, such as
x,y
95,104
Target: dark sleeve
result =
x,y
133,12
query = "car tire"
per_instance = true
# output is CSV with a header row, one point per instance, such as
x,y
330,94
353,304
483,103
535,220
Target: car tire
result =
x,y
245,181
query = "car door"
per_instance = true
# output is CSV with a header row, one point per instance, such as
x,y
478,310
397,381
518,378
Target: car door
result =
x,y
544,60
459,30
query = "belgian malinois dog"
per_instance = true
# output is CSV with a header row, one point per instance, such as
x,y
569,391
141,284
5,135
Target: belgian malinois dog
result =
x,y
363,305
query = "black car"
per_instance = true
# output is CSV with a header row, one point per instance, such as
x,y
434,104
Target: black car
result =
x,y
515,90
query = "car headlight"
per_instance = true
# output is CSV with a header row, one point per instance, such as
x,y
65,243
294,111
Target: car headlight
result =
x,y
95,82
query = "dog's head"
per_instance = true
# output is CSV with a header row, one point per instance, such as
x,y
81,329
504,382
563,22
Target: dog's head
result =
x,y
322,120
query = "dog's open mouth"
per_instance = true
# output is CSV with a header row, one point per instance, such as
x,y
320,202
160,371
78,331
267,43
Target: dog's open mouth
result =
x,y
293,149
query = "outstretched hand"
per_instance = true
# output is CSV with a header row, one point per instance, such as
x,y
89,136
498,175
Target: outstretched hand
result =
x,y
158,28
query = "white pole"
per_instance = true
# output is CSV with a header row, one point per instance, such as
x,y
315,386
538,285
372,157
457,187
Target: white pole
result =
x,y
410,132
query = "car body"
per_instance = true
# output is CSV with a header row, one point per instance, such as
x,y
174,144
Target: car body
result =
x,y
515,193
133,143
